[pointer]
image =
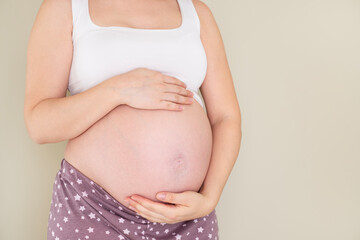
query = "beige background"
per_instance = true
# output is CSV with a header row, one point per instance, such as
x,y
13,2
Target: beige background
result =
x,y
296,67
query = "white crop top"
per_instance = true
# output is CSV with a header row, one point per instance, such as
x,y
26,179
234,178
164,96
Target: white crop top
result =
x,y
103,52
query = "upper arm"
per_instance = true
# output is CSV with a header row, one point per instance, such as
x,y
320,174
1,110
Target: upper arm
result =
x,y
217,89
49,53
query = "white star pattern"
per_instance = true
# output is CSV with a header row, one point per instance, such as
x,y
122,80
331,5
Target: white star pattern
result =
x,y
68,207
77,197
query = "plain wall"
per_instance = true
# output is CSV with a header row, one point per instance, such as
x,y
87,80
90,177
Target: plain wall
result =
x,y
296,68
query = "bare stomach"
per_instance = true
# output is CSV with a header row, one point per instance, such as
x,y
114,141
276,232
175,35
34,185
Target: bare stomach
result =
x,y
137,151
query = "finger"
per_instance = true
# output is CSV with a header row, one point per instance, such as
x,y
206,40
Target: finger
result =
x,y
178,90
150,218
170,106
175,198
143,210
173,80
176,98
166,210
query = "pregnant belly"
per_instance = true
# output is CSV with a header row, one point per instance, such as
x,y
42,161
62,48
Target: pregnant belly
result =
x,y
138,151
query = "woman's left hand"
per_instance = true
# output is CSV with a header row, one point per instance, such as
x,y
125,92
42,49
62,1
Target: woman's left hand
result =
x,y
177,207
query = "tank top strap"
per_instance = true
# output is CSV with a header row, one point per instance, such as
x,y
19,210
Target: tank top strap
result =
x,y
80,15
190,15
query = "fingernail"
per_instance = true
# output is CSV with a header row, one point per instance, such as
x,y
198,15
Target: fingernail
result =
x,y
161,196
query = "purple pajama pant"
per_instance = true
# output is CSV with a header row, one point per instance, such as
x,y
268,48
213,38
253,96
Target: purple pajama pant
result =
x,y
81,209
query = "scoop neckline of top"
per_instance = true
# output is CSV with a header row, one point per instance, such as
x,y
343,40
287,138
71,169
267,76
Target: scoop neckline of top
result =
x,y
137,29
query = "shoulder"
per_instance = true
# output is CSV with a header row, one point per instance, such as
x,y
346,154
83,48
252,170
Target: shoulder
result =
x,y
204,12
207,20
56,12
53,5
201,6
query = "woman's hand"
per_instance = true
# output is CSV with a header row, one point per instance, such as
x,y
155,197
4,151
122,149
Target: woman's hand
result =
x,y
148,89
177,207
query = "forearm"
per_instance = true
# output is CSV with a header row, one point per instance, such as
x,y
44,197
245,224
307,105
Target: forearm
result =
x,y
57,119
226,146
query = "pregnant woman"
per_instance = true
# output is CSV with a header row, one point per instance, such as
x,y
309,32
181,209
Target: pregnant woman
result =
x,y
135,123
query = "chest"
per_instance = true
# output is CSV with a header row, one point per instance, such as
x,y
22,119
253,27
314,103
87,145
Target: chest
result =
x,y
99,55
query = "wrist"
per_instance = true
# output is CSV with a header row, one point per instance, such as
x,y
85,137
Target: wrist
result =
x,y
114,88
211,200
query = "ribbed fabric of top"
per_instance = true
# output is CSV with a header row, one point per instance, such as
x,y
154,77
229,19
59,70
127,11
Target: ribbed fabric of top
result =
x,y
103,52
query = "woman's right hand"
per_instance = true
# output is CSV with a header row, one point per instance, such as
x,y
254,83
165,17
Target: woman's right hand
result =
x,y
148,89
